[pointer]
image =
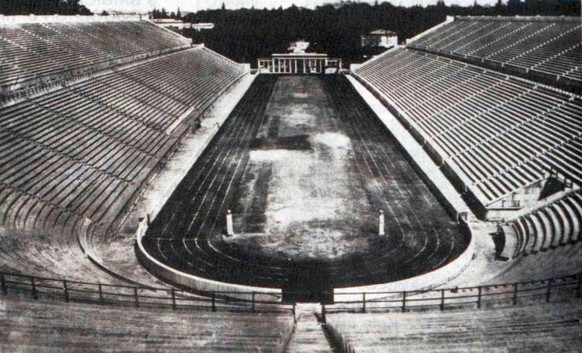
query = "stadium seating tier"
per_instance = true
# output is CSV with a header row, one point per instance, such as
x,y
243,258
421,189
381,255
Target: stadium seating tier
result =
x,y
539,47
499,132
39,51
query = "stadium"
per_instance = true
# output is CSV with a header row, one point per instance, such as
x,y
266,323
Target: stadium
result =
x,y
159,196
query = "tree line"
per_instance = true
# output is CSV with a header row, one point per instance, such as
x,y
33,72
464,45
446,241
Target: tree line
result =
x,y
165,14
43,7
247,34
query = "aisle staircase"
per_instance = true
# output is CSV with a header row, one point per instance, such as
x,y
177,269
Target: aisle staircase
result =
x,y
309,336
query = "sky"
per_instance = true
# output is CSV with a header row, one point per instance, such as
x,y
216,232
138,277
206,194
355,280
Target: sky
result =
x,y
196,5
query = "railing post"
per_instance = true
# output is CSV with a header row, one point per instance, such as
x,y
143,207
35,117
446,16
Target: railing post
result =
x,y
294,313
404,301
173,299
136,299
34,294
323,318
578,286
213,302
100,293
548,290
515,293
5,290
442,299
253,300
364,302
479,297
66,291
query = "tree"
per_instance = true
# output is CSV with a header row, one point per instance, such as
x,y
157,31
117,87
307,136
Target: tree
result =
x,y
178,14
74,6
104,13
514,7
223,7
42,7
246,34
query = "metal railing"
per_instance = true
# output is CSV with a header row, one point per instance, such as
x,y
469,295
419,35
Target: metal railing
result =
x,y
459,297
546,290
137,296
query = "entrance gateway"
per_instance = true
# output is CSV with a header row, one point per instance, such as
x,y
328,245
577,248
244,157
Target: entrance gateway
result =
x,y
299,64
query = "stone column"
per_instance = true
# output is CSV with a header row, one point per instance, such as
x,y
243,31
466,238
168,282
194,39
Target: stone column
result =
x,y
229,226
381,223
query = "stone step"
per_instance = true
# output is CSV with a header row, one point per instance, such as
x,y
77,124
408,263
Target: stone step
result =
x,y
309,336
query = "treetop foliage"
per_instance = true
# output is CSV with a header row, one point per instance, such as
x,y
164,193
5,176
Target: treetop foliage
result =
x,y
247,34
43,7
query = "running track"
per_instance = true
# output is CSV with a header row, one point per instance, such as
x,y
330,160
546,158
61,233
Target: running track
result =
x,y
186,234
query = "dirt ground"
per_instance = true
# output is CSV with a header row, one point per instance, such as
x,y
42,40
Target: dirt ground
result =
x,y
302,197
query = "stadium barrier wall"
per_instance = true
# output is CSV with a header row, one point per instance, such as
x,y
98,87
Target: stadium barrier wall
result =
x,y
181,132
452,210
163,271
422,282
468,194
200,284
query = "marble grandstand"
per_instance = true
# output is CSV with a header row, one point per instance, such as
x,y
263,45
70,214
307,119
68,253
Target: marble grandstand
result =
x,y
543,48
104,133
102,119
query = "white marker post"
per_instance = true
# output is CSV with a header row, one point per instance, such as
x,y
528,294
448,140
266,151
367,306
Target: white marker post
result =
x,y
381,223
229,228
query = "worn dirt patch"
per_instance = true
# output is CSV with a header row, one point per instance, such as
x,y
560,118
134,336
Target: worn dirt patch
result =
x,y
311,204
